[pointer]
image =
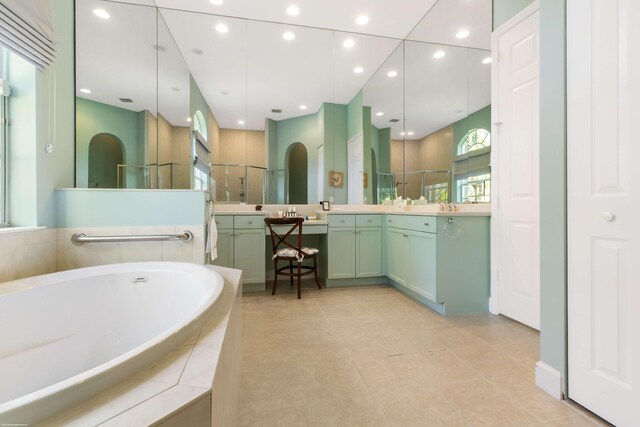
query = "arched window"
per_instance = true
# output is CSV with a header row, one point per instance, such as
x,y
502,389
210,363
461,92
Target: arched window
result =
x,y
475,139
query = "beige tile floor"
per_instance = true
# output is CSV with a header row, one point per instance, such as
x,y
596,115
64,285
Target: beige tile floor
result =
x,y
370,356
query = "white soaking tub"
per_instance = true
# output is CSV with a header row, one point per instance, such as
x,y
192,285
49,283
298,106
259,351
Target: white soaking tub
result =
x,y
66,336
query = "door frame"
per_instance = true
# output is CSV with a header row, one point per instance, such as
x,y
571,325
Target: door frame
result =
x,y
494,302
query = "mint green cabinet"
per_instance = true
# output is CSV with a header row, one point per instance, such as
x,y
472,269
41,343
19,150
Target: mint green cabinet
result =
x,y
368,252
225,248
397,255
341,243
241,245
354,247
249,254
422,276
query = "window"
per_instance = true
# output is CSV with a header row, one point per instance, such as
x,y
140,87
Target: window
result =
x,y
475,139
474,189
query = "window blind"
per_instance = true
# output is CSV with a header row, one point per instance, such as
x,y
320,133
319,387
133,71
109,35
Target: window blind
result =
x,y
25,28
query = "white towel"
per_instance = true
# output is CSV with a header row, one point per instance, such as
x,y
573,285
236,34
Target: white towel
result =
x,y
212,238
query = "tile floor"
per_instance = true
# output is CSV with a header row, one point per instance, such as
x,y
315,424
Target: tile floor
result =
x,y
370,356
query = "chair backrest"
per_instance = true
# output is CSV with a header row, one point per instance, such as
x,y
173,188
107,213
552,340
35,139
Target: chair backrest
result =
x,y
278,239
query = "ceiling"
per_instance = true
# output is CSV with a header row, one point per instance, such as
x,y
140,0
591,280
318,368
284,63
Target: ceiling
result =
x,y
246,72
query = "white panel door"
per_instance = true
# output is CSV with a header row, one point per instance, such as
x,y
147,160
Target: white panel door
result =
x,y
603,95
517,145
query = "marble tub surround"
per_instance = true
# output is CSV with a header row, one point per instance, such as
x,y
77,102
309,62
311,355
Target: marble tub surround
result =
x,y
71,256
26,252
197,384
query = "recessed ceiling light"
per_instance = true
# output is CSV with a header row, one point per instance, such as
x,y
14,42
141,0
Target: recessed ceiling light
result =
x,y
348,43
197,51
487,60
358,70
288,36
224,92
293,10
159,48
362,20
392,73
380,114
459,111
216,2
101,13
401,133
85,91
175,89
189,119
303,107
409,133
222,28
462,34
240,122
439,54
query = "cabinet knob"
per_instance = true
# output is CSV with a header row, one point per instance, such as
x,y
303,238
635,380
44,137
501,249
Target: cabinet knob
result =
x,y
250,222
608,216
389,221
370,220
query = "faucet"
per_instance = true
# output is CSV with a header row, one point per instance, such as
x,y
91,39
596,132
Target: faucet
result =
x,y
451,207
448,207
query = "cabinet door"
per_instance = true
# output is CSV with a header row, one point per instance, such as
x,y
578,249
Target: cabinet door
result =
x,y
249,254
342,253
225,249
397,255
369,252
422,274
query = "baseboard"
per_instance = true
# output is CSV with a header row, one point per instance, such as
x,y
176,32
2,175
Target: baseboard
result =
x,y
493,306
549,380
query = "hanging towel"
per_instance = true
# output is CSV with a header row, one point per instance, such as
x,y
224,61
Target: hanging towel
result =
x,y
212,237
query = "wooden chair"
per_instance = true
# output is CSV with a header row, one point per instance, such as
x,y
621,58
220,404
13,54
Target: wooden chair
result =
x,y
292,253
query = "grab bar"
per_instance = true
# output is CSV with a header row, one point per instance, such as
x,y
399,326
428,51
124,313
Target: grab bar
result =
x,y
81,238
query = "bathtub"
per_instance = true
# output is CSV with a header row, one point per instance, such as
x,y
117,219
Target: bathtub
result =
x,y
67,336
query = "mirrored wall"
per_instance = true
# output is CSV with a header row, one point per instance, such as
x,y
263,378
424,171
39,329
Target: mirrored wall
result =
x,y
261,112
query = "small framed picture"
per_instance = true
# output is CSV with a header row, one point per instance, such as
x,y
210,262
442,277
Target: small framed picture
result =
x,y
325,205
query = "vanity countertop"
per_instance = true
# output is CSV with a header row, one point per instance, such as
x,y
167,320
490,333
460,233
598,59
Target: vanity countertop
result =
x,y
401,212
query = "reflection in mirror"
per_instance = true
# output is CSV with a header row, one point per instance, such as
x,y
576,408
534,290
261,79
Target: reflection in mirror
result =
x,y
383,96
447,92
172,167
363,88
116,95
436,94
214,48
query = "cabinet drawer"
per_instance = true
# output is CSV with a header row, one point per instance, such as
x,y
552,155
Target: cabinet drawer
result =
x,y
224,221
368,220
248,221
342,220
413,222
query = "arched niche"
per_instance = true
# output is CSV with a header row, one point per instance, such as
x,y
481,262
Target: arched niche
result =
x,y
106,152
297,161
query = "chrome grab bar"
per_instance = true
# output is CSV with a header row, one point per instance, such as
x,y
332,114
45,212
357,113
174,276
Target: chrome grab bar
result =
x,y
81,238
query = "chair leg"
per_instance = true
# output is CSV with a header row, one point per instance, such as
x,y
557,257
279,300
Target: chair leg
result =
x,y
299,280
291,272
315,272
275,278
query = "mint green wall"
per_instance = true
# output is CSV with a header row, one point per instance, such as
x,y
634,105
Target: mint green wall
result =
x,y
298,166
82,207
93,118
553,188
384,155
303,129
503,10
197,102
338,122
366,146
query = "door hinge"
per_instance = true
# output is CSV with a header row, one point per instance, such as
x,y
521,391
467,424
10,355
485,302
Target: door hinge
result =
x,y
4,121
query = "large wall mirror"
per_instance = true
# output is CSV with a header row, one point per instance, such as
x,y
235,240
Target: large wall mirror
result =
x,y
263,112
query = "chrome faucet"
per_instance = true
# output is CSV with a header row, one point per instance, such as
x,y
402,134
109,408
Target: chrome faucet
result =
x,y
452,207
449,207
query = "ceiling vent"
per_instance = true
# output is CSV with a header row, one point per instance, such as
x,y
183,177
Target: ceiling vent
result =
x,y
276,110
125,99
394,120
